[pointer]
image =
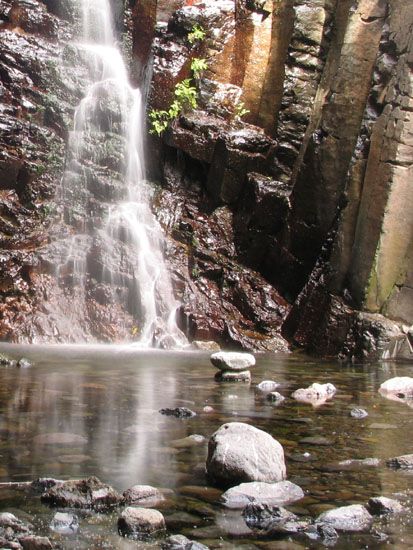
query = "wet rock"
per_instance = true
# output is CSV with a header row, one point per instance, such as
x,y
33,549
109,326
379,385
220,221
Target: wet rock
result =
x,y
205,346
358,413
275,397
232,361
271,519
178,412
138,493
404,462
323,532
231,462
10,521
233,376
24,363
347,518
43,483
82,493
140,522
400,386
9,544
6,361
179,542
267,385
64,523
316,394
380,506
32,542
281,493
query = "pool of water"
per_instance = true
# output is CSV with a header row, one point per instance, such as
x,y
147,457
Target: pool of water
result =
x,y
108,398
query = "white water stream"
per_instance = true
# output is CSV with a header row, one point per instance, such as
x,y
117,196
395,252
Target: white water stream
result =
x,y
113,110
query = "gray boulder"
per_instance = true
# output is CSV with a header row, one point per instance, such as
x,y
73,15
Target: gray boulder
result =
x,y
280,493
347,518
272,519
64,523
316,394
139,522
238,453
232,361
381,506
405,462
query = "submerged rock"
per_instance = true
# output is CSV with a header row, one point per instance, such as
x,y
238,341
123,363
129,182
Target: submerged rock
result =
x,y
272,519
60,438
358,413
205,346
233,376
275,397
280,493
232,361
24,363
231,461
380,506
178,412
347,518
179,542
82,493
139,522
139,493
64,523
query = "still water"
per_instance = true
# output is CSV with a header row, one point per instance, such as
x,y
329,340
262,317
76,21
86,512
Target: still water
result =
x,y
107,399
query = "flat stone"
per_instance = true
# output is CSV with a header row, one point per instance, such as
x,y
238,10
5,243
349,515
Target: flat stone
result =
x,y
142,492
232,361
268,385
281,493
317,440
136,521
233,376
380,506
347,518
193,440
405,462
32,542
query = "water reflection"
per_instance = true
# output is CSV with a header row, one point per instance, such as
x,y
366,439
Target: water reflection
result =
x,y
94,411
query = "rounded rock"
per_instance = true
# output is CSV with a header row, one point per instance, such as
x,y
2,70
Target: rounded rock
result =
x,y
267,385
347,518
280,493
239,453
136,521
232,361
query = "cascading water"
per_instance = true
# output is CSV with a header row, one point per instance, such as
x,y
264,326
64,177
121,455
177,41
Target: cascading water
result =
x,y
105,153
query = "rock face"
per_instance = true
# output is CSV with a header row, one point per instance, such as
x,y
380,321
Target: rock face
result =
x,y
291,223
231,462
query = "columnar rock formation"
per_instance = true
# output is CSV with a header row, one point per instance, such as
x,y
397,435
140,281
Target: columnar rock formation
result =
x,y
292,223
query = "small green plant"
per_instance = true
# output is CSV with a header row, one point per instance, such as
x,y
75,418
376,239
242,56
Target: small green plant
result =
x,y
186,98
198,65
240,110
197,34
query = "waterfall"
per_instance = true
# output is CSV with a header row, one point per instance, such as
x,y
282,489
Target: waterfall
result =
x,y
114,238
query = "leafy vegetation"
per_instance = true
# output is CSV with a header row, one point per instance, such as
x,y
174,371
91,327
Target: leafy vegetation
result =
x,y
240,110
196,35
198,66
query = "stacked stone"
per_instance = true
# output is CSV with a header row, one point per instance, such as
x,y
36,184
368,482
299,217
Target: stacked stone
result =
x,y
233,367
